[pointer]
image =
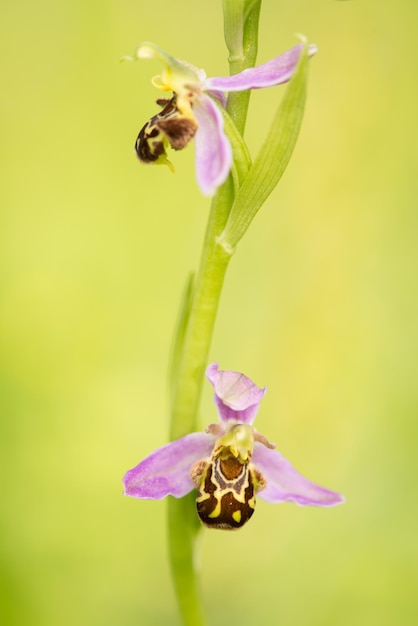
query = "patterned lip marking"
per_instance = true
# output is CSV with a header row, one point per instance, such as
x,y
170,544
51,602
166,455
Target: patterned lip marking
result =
x,y
169,126
226,492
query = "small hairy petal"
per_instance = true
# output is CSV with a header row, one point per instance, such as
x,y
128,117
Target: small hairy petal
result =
x,y
236,396
167,470
213,150
285,484
275,72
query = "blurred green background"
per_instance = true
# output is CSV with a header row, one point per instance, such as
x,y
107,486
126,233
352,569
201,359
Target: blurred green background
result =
x,y
320,304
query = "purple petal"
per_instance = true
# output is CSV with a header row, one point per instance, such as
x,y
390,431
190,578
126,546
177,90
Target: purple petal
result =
x,y
236,396
167,470
285,484
275,72
213,150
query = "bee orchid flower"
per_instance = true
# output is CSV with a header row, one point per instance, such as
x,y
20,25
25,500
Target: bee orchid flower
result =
x,y
193,110
228,464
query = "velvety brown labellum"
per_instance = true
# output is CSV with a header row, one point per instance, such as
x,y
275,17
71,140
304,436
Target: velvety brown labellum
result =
x,y
226,497
168,125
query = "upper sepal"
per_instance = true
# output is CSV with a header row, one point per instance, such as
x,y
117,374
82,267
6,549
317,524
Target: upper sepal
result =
x,y
274,72
236,396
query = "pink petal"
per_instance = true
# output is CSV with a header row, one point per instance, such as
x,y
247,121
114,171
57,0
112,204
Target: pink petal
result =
x,y
275,72
236,396
167,470
285,484
213,150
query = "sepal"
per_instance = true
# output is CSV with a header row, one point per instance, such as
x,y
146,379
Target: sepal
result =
x,y
236,396
285,484
167,470
273,157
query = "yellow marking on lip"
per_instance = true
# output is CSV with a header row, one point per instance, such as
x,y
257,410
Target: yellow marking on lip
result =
x,y
216,511
237,516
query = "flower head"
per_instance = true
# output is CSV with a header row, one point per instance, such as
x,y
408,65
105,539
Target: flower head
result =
x,y
193,111
228,464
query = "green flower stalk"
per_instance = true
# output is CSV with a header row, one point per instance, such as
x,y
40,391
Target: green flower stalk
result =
x,y
212,112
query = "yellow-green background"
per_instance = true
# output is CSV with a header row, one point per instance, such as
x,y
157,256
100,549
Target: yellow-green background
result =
x,y
320,304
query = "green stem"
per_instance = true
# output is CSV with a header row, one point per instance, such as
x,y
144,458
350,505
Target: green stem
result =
x,y
198,336
183,531
241,36
183,524
195,335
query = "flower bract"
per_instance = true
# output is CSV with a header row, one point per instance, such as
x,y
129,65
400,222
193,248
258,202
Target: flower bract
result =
x,y
229,463
194,110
